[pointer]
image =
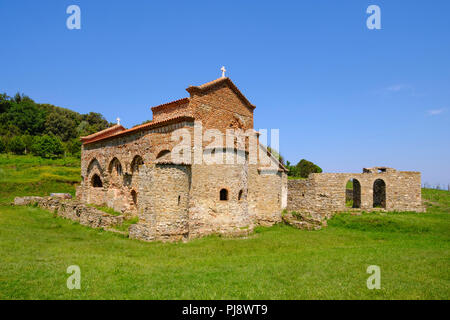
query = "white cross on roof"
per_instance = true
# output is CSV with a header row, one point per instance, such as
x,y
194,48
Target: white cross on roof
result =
x,y
223,71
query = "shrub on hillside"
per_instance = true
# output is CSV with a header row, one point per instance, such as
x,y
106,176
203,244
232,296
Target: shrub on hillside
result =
x,y
302,169
16,145
73,147
2,145
49,147
306,167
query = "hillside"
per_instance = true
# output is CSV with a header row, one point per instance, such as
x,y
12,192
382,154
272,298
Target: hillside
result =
x,y
43,129
412,250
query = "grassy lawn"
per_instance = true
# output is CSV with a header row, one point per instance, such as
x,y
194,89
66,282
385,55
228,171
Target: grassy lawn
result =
x,y
412,250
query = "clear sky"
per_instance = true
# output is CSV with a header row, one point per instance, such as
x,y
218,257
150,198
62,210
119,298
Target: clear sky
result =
x,y
343,96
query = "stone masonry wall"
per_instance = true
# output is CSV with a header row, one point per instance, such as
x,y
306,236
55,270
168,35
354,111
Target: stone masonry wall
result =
x,y
210,215
220,108
118,187
163,206
325,193
266,195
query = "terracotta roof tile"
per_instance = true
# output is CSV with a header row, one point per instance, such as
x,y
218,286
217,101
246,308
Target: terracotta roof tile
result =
x,y
106,132
171,103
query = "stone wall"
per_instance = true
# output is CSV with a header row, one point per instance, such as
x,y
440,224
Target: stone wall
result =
x,y
73,210
208,213
266,195
163,206
325,193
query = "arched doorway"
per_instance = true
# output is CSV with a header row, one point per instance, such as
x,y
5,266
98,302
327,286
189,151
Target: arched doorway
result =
x,y
353,194
379,194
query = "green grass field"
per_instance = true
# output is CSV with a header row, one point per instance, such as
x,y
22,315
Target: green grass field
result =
x,y
412,250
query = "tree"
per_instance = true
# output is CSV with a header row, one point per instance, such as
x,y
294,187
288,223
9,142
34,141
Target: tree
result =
x,y
2,145
28,141
73,147
48,146
5,102
60,124
16,145
306,167
27,117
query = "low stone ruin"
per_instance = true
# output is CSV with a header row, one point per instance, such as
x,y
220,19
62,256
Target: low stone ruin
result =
x,y
73,210
304,221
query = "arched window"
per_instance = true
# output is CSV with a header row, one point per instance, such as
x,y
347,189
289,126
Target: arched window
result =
x,y
96,181
241,193
223,194
136,163
92,164
134,196
353,194
379,194
115,165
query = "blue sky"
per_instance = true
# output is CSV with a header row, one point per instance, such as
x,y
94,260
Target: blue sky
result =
x,y
342,95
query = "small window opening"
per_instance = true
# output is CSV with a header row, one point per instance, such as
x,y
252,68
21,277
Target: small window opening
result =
x,y
134,196
224,194
241,193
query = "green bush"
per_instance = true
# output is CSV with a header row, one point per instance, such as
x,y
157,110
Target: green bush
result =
x,y
2,145
49,147
16,145
73,147
303,169
306,167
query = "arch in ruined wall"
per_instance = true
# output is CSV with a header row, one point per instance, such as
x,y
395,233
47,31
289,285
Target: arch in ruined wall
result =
x,y
115,166
379,193
94,163
136,163
353,194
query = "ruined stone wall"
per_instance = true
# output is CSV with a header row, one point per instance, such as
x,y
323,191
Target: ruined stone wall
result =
x,y
325,193
72,210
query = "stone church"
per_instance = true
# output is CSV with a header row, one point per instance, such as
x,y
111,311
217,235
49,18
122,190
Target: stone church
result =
x,y
134,172
178,195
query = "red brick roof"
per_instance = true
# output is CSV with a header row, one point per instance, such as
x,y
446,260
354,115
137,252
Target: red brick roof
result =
x,y
171,104
149,125
104,133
